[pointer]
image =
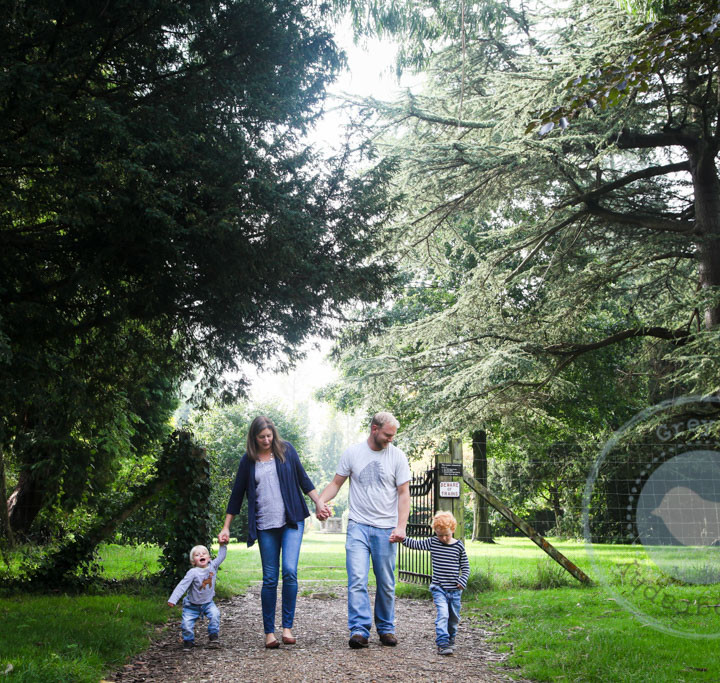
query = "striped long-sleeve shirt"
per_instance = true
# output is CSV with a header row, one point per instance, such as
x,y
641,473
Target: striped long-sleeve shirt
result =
x,y
450,565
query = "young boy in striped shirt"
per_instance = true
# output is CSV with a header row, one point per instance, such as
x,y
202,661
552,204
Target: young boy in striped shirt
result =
x,y
450,574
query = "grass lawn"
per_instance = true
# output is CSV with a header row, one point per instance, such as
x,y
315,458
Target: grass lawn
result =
x,y
564,632
76,639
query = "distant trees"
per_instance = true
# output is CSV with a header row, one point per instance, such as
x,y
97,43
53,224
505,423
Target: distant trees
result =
x,y
160,216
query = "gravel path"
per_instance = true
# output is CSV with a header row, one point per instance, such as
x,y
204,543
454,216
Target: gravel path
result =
x,y
321,652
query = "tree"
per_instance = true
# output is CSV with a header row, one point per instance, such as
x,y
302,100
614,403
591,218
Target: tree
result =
x,y
527,253
161,217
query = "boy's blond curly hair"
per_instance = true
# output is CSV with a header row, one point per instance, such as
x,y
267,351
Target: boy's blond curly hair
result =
x,y
444,521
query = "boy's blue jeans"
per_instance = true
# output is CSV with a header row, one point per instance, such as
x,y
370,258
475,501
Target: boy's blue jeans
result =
x,y
362,543
447,603
271,542
192,612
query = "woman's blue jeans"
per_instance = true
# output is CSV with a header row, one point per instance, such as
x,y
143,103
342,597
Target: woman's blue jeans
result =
x,y
361,543
272,543
447,604
192,612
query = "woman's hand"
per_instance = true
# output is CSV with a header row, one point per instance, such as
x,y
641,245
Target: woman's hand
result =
x,y
322,511
224,535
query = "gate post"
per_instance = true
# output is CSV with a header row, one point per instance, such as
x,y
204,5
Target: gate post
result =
x,y
449,468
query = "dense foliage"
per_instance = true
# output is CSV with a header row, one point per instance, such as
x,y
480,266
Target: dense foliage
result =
x,y
161,219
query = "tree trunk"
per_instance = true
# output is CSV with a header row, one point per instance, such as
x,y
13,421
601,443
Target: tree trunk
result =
x,y
61,564
555,502
707,216
481,509
26,501
9,539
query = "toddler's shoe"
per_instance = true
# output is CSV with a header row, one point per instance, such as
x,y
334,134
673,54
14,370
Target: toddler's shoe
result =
x,y
213,640
188,645
445,650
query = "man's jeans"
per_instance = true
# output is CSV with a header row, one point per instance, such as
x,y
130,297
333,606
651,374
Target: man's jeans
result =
x,y
271,542
192,612
447,603
362,543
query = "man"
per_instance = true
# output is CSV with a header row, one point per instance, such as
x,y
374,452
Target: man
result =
x,y
379,508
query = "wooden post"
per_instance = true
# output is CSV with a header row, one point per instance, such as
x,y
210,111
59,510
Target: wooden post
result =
x,y
521,524
481,510
453,458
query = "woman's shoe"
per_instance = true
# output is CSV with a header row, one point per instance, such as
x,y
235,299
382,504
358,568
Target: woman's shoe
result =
x,y
289,641
272,644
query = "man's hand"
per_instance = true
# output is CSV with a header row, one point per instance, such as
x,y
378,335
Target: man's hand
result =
x,y
323,511
397,535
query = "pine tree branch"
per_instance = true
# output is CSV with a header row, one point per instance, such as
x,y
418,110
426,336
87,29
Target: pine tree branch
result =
x,y
650,172
542,239
633,140
575,350
641,221
412,111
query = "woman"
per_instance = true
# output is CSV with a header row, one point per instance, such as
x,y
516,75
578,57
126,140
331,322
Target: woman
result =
x,y
272,476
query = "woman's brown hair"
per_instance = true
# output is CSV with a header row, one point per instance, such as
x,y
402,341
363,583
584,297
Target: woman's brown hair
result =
x,y
259,424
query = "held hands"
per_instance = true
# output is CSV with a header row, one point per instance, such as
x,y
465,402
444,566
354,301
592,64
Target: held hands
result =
x,y
323,511
397,535
171,604
224,536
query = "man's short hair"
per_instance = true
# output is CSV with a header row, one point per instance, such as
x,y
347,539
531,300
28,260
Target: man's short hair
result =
x,y
384,418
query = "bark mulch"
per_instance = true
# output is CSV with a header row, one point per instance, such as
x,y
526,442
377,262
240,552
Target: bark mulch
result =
x,y
321,652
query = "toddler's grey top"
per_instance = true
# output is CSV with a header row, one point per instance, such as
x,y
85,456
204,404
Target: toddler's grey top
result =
x,y
199,583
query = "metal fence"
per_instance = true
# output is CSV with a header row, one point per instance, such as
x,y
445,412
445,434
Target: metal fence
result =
x,y
414,566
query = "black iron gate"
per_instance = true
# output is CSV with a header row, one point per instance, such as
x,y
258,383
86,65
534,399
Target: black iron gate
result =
x,y
414,566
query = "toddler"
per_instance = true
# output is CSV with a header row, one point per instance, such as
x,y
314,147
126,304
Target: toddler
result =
x,y
199,582
450,574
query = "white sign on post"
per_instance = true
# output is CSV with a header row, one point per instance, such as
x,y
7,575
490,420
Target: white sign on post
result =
x,y
449,489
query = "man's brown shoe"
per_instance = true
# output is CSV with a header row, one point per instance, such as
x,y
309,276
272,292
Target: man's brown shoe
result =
x,y
388,639
357,641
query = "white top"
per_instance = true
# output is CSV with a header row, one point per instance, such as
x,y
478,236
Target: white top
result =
x,y
374,478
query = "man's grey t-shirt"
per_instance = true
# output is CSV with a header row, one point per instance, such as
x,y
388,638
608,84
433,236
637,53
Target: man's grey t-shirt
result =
x,y
374,478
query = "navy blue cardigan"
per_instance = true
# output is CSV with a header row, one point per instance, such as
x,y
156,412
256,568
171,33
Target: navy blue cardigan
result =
x,y
292,478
